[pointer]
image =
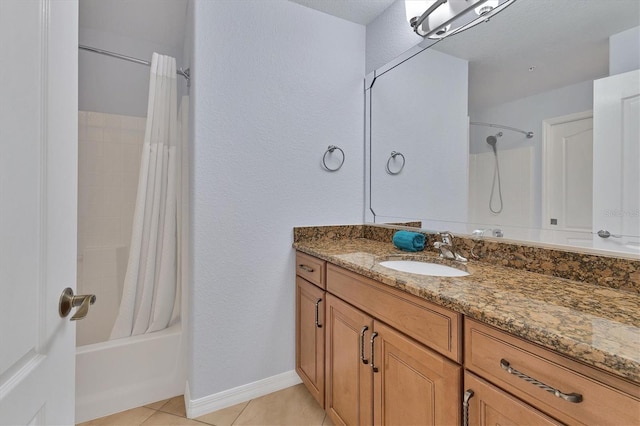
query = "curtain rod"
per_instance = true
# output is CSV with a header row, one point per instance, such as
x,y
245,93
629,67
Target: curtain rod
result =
x,y
499,126
185,73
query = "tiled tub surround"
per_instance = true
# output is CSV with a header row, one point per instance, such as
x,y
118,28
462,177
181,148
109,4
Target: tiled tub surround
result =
x,y
595,324
109,151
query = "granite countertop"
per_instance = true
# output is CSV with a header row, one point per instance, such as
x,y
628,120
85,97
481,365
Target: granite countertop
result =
x,y
597,325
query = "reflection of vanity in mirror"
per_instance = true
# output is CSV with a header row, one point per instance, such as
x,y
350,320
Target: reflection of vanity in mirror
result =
x,y
525,127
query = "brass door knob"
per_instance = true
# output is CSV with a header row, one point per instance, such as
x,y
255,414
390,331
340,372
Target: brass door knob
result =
x,y
69,301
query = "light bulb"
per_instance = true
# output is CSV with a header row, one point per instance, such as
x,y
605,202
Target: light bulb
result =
x,y
439,17
415,8
486,7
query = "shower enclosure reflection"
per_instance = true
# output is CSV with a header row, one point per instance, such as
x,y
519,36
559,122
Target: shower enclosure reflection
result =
x,y
417,108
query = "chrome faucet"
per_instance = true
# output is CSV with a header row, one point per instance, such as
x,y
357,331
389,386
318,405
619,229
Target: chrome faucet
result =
x,y
497,232
447,247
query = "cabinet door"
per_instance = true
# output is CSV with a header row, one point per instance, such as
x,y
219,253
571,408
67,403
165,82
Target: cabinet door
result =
x,y
490,405
310,305
413,385
349,392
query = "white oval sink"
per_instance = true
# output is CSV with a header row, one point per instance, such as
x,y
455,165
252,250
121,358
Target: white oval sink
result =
x,y
424,268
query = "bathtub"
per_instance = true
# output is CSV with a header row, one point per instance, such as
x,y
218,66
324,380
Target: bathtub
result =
x,y
117,375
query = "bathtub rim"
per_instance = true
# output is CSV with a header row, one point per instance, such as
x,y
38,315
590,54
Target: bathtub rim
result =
x,y
94,398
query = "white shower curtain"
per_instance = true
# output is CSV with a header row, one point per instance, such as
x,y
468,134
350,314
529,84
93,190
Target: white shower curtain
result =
x,y
151,292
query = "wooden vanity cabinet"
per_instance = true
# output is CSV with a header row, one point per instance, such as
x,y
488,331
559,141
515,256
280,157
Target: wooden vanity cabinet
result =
x,y
311,269
491,406
375,374
310,328
585,395
375,355
434,326
412,385
349,380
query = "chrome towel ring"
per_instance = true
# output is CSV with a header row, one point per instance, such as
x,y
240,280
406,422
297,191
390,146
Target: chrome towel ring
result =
x,y
330,150
393,156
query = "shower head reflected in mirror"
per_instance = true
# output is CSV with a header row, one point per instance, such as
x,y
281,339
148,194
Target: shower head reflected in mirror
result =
x,y
492,140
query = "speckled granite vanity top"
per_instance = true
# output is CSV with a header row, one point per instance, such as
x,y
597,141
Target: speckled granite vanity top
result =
x,y
597,325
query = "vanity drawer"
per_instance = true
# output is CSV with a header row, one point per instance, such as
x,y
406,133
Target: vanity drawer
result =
x,y
603,400
311,269
434,326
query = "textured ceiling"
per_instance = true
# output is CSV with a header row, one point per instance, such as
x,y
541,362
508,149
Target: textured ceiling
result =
x,y
566,41
358,11
163,21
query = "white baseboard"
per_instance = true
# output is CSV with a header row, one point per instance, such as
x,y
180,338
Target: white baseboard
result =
x,y
207,404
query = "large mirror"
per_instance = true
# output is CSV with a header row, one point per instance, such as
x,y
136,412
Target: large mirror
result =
x,y
525,128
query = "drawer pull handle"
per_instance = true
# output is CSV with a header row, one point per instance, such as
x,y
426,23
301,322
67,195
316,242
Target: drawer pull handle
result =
x,y
317,322
305,268
465,407
364,361
373,365
571,397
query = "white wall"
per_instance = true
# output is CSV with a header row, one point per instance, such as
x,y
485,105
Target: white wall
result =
x,y
115,86
624,51
274,83
420,110
388,36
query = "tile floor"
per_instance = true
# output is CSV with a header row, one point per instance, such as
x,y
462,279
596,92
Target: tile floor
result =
x,y
291,406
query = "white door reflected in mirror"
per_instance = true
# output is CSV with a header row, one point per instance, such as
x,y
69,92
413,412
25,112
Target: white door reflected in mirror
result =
x,y
567,177
616,162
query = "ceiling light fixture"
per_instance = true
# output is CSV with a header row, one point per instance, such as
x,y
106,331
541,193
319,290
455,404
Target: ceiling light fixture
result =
x,y
486,7
436,19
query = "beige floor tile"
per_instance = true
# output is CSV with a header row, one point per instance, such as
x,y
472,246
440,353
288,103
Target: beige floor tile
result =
x,y
224,417
157,405
133,417
166,419
175,406
291,406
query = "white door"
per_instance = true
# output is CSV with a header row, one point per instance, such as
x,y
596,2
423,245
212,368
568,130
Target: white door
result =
x,y
38,192
616,162
567,179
